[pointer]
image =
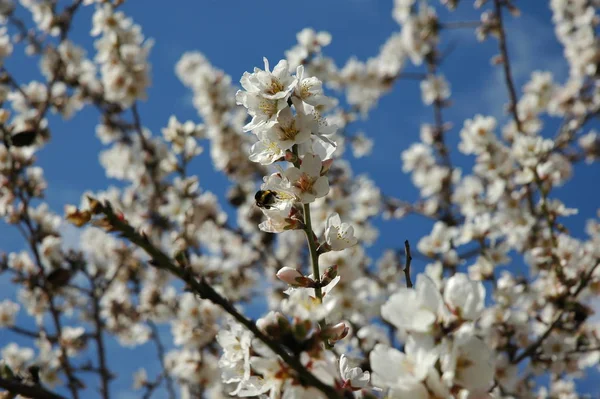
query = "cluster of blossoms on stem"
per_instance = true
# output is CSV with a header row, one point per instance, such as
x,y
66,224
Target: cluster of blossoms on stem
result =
x,y
288,121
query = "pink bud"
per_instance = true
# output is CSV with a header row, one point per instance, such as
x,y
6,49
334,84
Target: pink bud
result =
x,y
291,157
337,332
294,277
329,274
325,166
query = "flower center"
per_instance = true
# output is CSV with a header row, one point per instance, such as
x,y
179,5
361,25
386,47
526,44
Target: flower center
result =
x,y
305,90
305,183
275,87
268,108
289,132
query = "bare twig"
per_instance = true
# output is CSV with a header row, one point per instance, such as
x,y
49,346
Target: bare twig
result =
x,y
161,356
407,261
512,92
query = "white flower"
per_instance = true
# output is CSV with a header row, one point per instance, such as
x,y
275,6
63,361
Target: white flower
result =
x,y
477,134
528,150
263,111
302,303
140,379
235,360
289,129
417,156
434,88
15,356
361,145
307,181
182,136
278,219
414,309
271,378
404,373
339,235
353,377
265,93
439,241
310,90
464,297
8,311
468,361
274,85
266,151
73,340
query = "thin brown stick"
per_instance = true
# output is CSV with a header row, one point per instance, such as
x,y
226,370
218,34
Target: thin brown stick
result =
x,y
407,261
512,92
160,349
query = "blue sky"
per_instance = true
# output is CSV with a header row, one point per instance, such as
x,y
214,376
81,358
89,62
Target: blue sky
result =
x,y
236,34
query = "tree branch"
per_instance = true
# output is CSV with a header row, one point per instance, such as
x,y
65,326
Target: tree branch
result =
x,y
30,391
200,287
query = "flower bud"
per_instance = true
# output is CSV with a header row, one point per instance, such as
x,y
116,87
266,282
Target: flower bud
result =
x,y
95,206
274,324
294,277
329,274
75,216
326,165
291,157
336,332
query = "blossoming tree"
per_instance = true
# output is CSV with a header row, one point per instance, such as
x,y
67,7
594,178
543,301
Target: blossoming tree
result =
x,y
161,264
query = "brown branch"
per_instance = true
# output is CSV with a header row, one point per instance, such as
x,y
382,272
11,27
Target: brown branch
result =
x,y
200,287
407,261
441,148
161,357
31,236
512,93
531,349
105,375
30,391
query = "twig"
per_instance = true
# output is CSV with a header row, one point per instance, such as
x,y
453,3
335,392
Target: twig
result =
x,y
512,93
105,375
161,356
407,261
30,391
442,149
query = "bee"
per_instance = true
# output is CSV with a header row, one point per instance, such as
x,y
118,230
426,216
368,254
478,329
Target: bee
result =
x,y
266,198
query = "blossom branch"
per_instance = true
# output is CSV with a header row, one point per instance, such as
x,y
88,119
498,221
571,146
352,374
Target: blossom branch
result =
x,y
532,349
206,291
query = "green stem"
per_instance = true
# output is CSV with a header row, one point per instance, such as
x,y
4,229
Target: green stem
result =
x,y
312,247
310,237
